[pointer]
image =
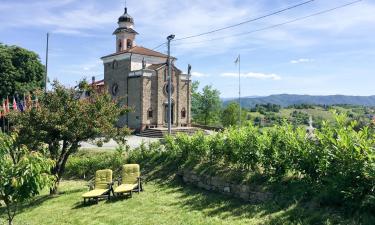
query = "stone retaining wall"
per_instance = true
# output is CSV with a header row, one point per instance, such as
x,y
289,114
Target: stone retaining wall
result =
x,y
250,193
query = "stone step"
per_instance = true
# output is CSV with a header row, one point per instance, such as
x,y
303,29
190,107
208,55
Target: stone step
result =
x,y
160,133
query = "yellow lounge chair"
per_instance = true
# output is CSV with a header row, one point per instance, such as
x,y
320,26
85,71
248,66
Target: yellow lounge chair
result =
x,y
102,188
130,180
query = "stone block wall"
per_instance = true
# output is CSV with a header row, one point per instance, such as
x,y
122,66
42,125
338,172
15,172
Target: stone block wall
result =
x,y
134,102
249,193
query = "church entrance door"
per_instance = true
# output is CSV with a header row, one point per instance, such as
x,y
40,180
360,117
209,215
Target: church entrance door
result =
x,y
166,113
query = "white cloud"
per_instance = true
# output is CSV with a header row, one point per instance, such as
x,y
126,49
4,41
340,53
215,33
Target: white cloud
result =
x,y
302,60
155,19
198,74
261,76
65,17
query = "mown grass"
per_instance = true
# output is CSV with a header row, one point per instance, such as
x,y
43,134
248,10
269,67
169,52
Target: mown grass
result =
x,y
169,203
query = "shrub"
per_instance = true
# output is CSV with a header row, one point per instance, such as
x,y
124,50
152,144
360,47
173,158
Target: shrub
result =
x,y
347,161
23,174
84,164
339,162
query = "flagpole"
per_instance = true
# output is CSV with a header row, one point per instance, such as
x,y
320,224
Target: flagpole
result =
x,y
239,85
46,76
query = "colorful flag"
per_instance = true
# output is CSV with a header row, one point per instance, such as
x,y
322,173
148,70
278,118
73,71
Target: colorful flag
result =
x,y
20,105
15,104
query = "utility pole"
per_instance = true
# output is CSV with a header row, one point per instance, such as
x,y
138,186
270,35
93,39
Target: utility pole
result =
x,y
169,38
46,76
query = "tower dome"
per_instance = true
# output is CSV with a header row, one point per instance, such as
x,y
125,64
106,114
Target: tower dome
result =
x,y
125,33
126,17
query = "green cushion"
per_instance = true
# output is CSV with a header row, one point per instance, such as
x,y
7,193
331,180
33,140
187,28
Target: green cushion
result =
x,y
125,188
103,178
94,193
130,173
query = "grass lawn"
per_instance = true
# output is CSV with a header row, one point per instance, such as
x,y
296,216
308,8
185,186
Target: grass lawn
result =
x,y
170,203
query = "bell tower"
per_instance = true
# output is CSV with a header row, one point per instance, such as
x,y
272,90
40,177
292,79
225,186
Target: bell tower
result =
x,y
125,33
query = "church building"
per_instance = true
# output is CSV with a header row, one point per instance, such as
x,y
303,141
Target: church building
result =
x,y
138,76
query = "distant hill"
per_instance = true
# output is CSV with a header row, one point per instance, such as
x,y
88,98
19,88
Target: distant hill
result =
x,y
289,99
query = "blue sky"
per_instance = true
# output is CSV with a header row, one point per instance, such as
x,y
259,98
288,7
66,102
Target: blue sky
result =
x,y
332,53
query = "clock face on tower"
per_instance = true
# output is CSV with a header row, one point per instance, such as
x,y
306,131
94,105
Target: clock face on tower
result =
x,y
114,89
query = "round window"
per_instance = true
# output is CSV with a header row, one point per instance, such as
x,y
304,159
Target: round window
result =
x,y
166,89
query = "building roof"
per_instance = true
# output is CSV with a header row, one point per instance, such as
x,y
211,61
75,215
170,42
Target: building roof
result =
x,y
125,29
156,66
161,65
141,51
98,83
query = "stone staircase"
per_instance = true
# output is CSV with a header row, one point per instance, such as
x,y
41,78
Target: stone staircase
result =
x,y
161,132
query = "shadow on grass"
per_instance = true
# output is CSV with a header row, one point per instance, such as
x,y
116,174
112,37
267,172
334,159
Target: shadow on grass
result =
x,y
120,198
291,203
72,191
37,201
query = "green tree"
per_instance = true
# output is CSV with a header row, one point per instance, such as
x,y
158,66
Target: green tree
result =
x,y
230,115
206,105
23,174
20,70
63,121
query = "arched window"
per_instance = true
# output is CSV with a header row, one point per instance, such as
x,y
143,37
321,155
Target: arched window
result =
x,y
129,44
183,113
149,113
120,45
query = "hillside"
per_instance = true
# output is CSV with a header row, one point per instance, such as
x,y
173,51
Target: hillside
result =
x,y
288,99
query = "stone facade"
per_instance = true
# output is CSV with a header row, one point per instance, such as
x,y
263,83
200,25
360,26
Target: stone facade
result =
x,y
137,76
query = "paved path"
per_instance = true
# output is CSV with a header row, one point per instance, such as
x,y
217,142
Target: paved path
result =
x,y
133,141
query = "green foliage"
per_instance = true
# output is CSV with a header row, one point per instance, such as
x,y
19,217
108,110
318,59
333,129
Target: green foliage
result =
x,y
145,153
20,70
84,163
206,105
230,115
347,164
298,118
338,163
63,121
263,108
23,174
